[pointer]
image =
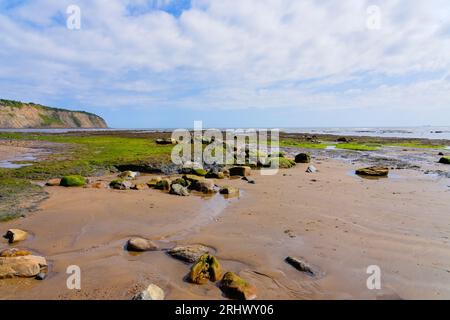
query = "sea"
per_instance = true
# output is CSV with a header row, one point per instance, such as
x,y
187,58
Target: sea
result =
x,y
424,132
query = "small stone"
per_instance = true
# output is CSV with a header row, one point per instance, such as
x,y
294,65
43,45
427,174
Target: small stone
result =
x,y
153,292
242,171
53,182
206,268
120,184
140,245
373,171
301,265
139,186
311,169
41,276
229,191
98,185
179,190
15,235
128,175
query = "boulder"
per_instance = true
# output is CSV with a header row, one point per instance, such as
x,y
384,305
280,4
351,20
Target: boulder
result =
x,y
373,171
311,169
179,190
139,186
73,181
181,181
21,266
53,182
153,292
15,235
128,175
444,160
164,184
301,265
189,253
192,178
242,171
215,174
235,287
153,182
206,268
205,186
303,158
229,191
120,184
140,245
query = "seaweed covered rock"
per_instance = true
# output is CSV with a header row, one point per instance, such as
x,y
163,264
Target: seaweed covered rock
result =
x,y
73,181
189,253
199,172
181,181
153,292
153,182
235,287
215,174
15,235
206,268
279,162
242,171
444,160
179,190
303,158
14,252
373,171
140,245
164,184
120,184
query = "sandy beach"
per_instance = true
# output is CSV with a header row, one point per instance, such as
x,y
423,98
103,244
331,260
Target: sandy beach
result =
x,y
336,221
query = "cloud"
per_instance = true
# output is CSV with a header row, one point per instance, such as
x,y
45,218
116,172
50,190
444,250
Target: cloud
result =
x,y
228,54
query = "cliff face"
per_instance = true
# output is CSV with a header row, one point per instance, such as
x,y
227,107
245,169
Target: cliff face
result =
x,y
17,115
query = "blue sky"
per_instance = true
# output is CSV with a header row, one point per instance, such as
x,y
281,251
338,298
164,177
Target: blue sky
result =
x,y
253,63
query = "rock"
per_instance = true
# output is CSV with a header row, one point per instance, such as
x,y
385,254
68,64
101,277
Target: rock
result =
x,y
15,235
164,184
445,160
181,181
242,171
166,141
21,266
98,185
73,181
235,287
53,182
153,182
120,184
193,178
215,174
179,190
440,154
14,252
229,191
205,186
140,245
311,169
206,268
373,171
200,172
301,265
128,175
303,158
189,253
153,292
343,139
139,186
41,276
282,163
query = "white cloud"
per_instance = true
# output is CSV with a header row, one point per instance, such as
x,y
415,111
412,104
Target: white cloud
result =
x,y
229,54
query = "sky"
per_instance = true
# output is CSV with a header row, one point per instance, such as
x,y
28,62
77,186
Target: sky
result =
x,y
231,63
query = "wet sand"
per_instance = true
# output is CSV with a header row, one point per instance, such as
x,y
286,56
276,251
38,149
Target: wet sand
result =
x,y
340,223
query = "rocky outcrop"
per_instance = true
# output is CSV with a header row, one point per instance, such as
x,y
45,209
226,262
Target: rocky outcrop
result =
x,y
15,114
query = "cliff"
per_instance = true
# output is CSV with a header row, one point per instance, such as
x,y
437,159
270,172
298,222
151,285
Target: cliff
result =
x,y
20,115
